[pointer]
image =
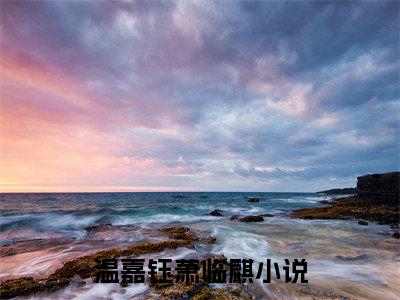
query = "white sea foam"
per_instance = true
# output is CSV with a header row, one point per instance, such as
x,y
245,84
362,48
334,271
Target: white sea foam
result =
x,y
68,221
244,210
240,244
160,219
5,220
301,199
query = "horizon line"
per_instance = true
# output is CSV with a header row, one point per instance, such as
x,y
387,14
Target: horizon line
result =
x,y
171,191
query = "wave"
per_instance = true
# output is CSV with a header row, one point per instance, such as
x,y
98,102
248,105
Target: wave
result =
x,y
160,219
240,244
301,200
48,222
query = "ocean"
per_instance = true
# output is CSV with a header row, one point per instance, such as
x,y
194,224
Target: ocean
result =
x,y
343,257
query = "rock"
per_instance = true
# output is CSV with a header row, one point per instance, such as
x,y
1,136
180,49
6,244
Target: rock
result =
x,y
379,188
396,235
84,267
235,217
377,200
249,219
216,212
180,233
99,227
353,258
209,240
362,222
253,199
325,201
32,245
352,207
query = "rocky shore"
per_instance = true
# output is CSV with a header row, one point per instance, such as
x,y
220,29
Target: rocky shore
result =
x,y
376,199
85,267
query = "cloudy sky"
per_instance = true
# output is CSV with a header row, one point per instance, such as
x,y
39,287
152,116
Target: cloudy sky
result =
x,y
197,95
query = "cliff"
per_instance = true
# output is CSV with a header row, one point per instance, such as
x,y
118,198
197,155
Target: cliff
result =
x,y
377,199
382,188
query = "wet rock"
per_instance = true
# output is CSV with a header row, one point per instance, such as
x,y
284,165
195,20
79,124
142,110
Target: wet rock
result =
x,y
351,207
27,286
231,292
32,245
209,240
235,217
325,201
84,267
197,291
99,227
249,219
377,200
396,235
213,257
180,233
299,291
173,290
216,212
253,199
353,258
362,222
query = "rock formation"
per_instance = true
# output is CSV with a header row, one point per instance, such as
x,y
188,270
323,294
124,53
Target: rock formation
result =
x,y
382,188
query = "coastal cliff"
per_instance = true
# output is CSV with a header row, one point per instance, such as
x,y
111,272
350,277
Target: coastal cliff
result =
x,y
382,188
376,199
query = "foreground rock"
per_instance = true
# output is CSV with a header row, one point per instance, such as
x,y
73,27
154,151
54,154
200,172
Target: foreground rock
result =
x,y
298,291
84,266
235,218
200,290
33,245
184,233
180,233
249,219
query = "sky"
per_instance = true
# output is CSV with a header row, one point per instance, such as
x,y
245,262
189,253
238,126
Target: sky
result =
x,y
197,95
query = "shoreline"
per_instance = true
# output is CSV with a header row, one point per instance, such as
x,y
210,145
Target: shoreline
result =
x,y
350,207
258,232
